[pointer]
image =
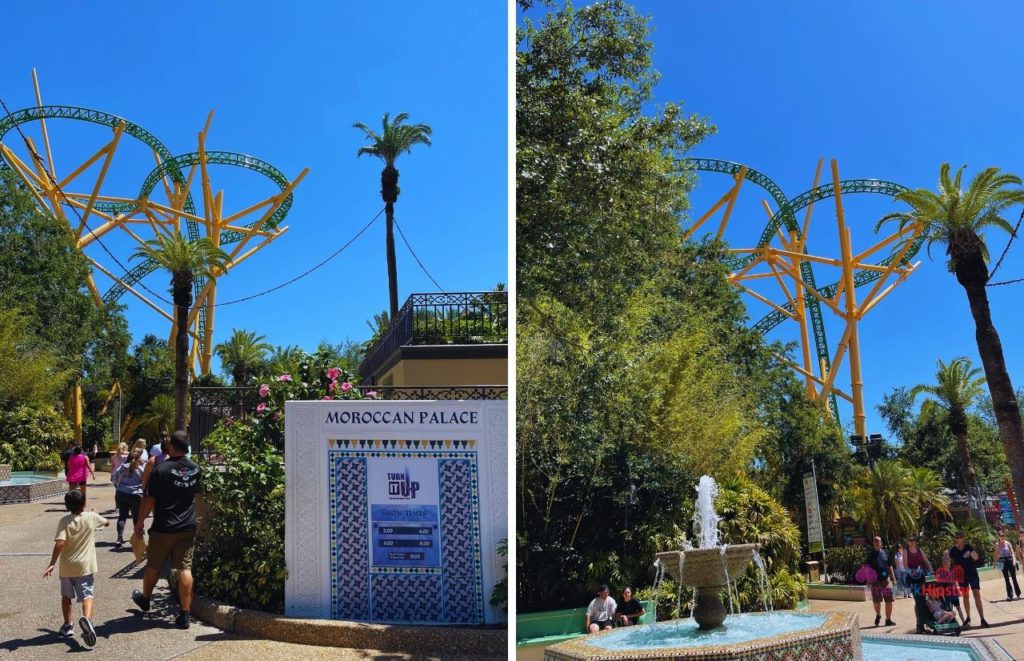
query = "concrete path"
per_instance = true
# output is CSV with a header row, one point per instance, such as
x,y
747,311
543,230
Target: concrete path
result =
x,y
1005,617
30,605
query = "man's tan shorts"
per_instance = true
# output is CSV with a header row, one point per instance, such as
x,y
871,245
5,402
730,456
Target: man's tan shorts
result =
x,y
178,545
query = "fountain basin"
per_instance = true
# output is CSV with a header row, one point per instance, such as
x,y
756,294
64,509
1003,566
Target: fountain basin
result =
x,y
703,568
756,636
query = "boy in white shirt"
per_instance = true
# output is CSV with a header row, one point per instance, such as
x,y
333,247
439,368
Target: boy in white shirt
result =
x,y
75,546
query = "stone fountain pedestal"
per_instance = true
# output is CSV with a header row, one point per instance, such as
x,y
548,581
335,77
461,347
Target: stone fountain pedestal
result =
x,y
705,571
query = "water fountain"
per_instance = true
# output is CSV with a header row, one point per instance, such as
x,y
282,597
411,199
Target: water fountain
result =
x,y
712,633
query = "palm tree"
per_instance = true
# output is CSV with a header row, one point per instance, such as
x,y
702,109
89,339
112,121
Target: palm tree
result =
x,y
926,488
396,137
242,354
159,415
183,258
885,501
957,219
959,387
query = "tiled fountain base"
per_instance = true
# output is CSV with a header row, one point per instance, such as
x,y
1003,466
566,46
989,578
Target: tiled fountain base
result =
x,y
27,493
837,638
5,472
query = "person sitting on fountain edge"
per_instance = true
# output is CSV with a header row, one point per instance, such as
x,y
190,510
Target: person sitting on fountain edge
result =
x,y
601,611
630,610
881,564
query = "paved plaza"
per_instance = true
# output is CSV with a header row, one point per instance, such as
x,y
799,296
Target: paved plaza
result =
x,y
30,605
1006,617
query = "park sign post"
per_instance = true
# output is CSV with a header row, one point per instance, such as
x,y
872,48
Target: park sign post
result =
x,y
394,510
815,539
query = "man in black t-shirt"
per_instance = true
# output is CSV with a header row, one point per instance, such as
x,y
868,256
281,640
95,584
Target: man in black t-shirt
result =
x,y
630,610
967,559
880,562
170,495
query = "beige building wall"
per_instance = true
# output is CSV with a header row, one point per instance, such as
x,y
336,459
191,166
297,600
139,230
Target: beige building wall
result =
x,y
442,372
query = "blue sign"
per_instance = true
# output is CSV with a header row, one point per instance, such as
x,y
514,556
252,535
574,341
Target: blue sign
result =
x,y
405,536
1005,511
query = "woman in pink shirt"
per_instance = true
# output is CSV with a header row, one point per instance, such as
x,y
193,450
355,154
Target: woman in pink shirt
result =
x,y
79,467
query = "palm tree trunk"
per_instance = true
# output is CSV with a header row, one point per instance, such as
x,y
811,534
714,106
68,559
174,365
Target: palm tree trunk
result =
x,y
389,192
972,275
181,285
389,212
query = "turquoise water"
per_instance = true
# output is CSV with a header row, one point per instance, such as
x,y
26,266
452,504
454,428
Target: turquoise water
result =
x,y
684,633
875,650
26,477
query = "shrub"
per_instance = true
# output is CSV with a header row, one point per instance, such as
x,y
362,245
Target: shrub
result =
x,y
239,555
32,438
842,562
499,595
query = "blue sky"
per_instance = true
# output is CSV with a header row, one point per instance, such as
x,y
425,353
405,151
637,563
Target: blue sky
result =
x,y
287,81
890,90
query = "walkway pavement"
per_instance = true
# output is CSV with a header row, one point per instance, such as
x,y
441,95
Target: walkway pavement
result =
x,y
30,605
1005,617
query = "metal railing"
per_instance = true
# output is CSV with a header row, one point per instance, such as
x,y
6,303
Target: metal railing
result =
x,y
432,319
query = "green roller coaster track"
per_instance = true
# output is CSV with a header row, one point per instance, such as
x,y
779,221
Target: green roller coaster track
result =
x,y
786,216
170,166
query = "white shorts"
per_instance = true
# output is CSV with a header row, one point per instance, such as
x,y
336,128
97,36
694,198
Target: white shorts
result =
x,y
77,586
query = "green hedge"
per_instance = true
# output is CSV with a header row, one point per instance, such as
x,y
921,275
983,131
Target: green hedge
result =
x,y
842,562
32,439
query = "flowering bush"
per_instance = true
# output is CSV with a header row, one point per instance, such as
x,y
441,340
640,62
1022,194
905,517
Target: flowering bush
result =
x,y
239,555
315,380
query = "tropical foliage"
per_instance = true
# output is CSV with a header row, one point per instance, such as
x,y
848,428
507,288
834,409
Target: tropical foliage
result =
x,y
242,355
240,554
957,218
892,499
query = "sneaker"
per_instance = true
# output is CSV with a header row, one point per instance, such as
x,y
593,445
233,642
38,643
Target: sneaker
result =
x,y
67,631
119,543
890,623
183,620
88,633
140,600
984,623
878,618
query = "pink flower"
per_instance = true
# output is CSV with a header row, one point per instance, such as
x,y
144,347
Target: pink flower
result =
x,y
328,397
331,386
333,373
229,421
264,390
261,408
285,377
371,393
345,387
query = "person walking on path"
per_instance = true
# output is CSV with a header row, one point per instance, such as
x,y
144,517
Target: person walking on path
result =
x,y
79,467
964,556
1004,553
881,564
127,481
118,458
170,496
900,562
75,547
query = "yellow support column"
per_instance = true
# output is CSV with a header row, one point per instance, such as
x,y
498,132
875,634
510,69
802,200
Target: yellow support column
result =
x,y
845,240
801,317
77,408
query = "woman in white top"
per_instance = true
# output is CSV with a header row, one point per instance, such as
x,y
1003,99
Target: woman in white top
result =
x,y
1004,553
900,559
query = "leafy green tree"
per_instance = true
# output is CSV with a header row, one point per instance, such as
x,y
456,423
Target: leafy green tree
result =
x,y
956,218
242,355
926,440
158,417
28,373
395,138
958,387
183,259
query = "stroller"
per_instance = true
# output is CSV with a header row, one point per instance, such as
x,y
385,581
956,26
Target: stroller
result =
x,y
925,620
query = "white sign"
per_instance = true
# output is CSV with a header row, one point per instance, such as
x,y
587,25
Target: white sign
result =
x,y
394,510
815,538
